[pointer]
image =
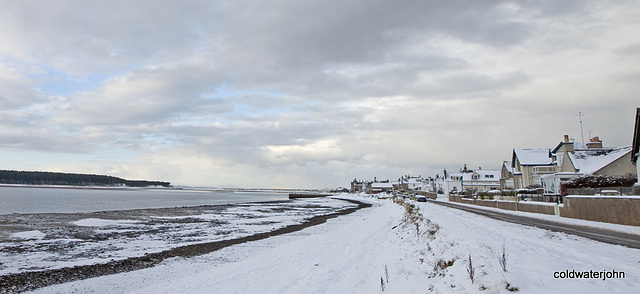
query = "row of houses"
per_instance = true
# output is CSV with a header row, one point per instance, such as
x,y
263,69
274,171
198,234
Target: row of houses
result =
x,y
546,168
529,168
404,183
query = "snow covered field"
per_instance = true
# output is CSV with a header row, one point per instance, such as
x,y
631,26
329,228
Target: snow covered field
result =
x,y
377,250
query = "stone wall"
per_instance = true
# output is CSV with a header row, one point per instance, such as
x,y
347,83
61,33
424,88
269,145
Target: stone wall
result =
x,y
508,205
624,210
454,198
612,209
488,203
467,200
536,208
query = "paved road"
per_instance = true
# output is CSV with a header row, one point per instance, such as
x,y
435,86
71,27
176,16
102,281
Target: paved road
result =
x,y
602,235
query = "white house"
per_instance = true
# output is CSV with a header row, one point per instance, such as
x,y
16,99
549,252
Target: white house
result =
x,y
480,180
379,187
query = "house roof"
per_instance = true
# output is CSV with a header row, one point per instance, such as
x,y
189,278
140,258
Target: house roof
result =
x,y
560,145
381,185
507,165
636,138
591,161
533,156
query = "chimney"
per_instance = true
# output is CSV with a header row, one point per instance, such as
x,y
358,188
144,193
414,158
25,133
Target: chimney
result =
x,y
594,142
566,138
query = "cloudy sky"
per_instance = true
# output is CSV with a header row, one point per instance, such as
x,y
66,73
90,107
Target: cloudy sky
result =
x,y
308,94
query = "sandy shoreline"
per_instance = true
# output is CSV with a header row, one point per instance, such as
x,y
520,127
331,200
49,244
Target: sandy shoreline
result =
x,y
60,224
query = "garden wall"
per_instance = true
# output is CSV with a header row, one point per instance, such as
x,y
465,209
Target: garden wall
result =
x,y
508,205
624,210
454,198
612,209
467,200
536,207
488,203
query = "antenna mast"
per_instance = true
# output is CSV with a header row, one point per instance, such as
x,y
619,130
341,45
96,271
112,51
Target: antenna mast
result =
x,y
581,130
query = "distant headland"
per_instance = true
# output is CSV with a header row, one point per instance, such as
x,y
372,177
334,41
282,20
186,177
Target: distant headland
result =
x,y
69,179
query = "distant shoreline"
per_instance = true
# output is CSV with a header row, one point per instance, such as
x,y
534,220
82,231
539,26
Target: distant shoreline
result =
x,y
172,188
86,187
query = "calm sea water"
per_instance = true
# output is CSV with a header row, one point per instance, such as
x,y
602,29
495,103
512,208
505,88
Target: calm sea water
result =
x,y
65,200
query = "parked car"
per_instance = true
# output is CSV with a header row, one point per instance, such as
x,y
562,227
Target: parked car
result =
x,y
421,198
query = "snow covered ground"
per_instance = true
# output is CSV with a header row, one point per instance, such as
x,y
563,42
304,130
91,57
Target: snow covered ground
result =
x,y
376,250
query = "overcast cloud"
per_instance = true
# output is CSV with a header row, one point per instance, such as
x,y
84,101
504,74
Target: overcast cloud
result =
x,y
308,94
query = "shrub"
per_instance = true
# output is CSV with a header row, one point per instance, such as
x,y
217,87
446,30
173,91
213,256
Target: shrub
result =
x,y
598,181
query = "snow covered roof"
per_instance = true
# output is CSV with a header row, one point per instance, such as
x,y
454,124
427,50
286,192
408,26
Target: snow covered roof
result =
x,y
381,185
508,167
413,180
591,161
533,156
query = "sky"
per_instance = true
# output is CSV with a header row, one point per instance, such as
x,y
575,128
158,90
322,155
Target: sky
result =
x,y
308,94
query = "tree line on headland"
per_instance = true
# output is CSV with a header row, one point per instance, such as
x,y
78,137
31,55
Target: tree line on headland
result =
x,y
68,179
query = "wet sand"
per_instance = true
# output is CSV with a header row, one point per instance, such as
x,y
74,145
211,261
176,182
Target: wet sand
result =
x,y
59,225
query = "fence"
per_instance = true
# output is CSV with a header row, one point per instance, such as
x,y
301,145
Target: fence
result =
x,y
594,191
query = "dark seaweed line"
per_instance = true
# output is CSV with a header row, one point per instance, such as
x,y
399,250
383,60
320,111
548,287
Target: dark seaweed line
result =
x,y
20,282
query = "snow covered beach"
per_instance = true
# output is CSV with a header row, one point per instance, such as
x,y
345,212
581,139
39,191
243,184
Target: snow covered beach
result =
x,y
66,247
382,249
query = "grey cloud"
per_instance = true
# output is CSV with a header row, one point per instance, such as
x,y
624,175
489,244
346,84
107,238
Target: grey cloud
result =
x,y
360,85
473,83
629,51
80,36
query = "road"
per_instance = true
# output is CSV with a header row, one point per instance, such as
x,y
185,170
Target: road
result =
x,y
598,234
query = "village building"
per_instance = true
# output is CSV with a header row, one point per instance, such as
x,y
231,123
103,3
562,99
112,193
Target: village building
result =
x,y
529,165
381,187
506,176
371,187
472,180
358,186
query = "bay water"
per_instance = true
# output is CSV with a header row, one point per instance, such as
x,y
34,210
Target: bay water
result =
x,y
71,200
